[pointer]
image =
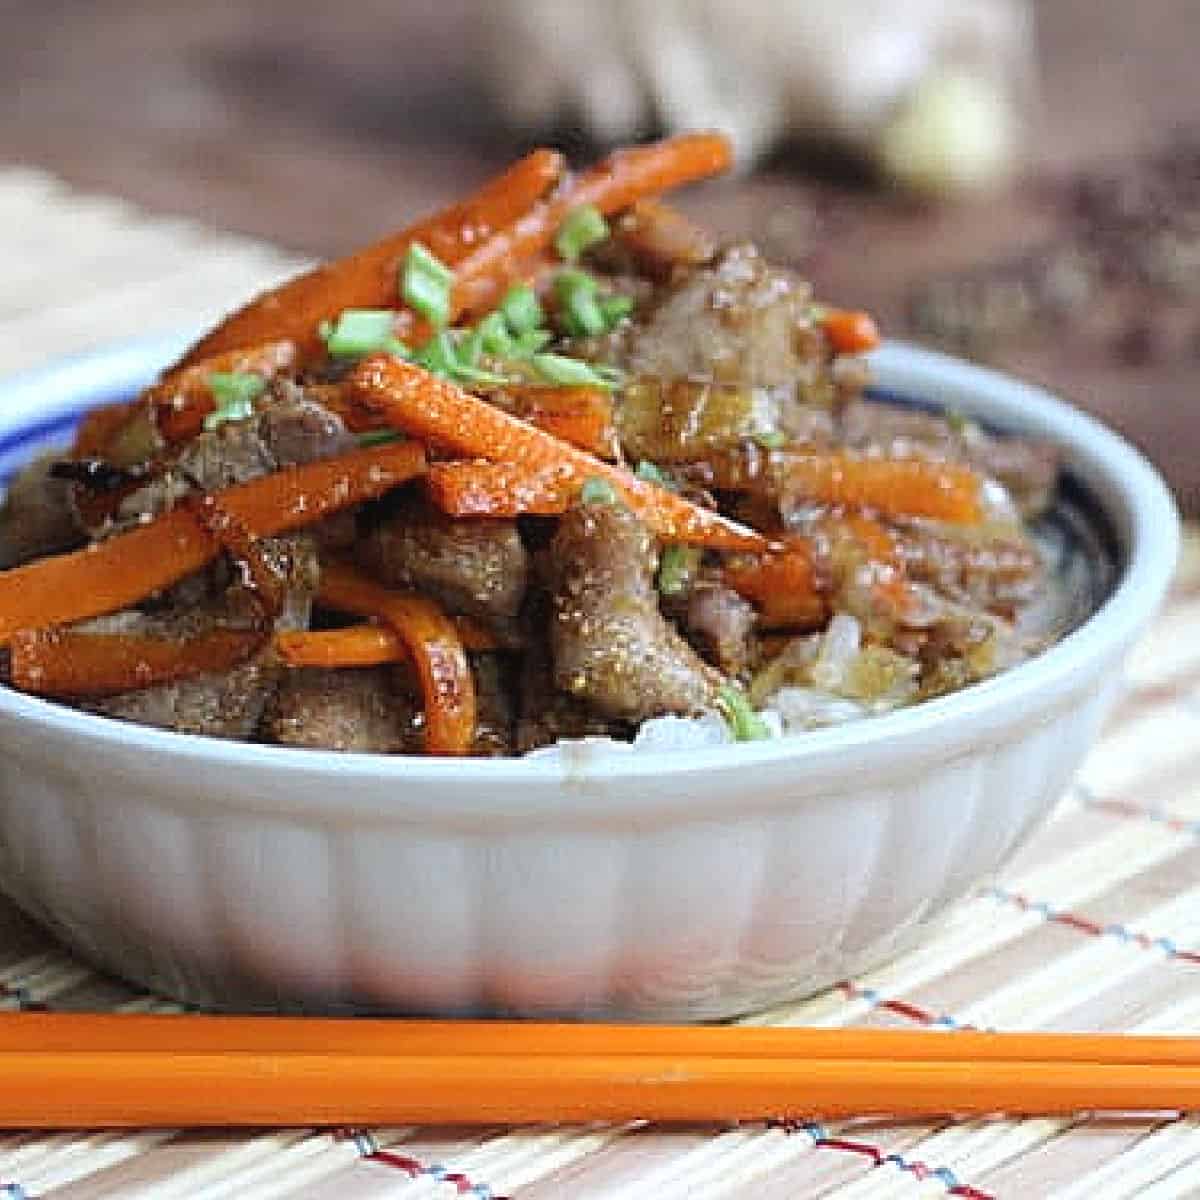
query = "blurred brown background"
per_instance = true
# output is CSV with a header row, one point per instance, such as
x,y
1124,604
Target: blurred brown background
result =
x,y
320,125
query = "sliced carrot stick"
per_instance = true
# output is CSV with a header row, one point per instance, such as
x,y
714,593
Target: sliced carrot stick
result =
x,y
364,645
624,177
894,487
60,662
432,642
437,411
369,278
111,575
850,332
487,489
782,585
582,416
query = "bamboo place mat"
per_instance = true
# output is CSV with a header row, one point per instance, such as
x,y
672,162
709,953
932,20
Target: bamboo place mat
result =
x,y
1096,926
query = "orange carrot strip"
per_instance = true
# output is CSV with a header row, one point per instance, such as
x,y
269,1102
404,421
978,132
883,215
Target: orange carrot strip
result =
x,y
370,277
432,642
895,487
487,489
111,575
60,662
437,411
582,416
363,645
622,178
850,332
782,585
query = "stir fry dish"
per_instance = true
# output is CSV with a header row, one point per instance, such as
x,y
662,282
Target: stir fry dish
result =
x,y
551,464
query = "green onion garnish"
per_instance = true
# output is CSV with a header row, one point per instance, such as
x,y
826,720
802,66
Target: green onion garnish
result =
x,y
440,355
569,372
494,335
598,491
425,283
676,568
521,310
745,724
379,437
579,306
234,393
532,342
360,331
772,439
616,309
583,228
647,472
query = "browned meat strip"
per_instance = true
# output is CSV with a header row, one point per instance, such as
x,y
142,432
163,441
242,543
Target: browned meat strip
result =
x,y
1027,468
546,715
228,705
359,711
610,643
721,625
476,567
739,321
38,516
494,731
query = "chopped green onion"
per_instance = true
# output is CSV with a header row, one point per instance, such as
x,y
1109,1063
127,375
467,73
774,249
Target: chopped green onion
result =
x,y
583,228
234,393
532,342
494,336
817,313
616,309
379,437
676,569
647,472
579,306
570,372
426,283
521,310
360,331
441,356
772,439
598,491
745,724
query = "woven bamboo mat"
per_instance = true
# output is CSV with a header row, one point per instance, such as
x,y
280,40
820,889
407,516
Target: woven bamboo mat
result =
x,y
1096,926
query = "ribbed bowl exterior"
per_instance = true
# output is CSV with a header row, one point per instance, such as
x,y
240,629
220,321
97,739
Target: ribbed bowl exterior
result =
x,y
679,917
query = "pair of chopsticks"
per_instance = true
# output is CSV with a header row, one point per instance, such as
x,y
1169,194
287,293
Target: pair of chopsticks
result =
x,y
69,1070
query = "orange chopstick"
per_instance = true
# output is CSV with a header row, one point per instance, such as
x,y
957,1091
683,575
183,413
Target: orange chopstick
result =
x,y
81,1070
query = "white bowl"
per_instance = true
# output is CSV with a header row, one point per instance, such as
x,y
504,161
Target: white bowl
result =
x,y
656,886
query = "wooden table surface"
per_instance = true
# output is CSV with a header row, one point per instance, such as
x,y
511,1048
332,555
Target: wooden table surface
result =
x,y
320,125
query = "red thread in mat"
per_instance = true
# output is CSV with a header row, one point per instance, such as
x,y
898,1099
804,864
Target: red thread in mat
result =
x,y
1093,928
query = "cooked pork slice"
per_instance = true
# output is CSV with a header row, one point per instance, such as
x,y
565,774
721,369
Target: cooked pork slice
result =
x,y
720,623
610,643
288,429
359,710
38,516
544,714
478,568
738,321
228,704
494,717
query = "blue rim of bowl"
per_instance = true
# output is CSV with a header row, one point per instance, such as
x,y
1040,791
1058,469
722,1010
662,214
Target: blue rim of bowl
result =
x,y
1146,521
